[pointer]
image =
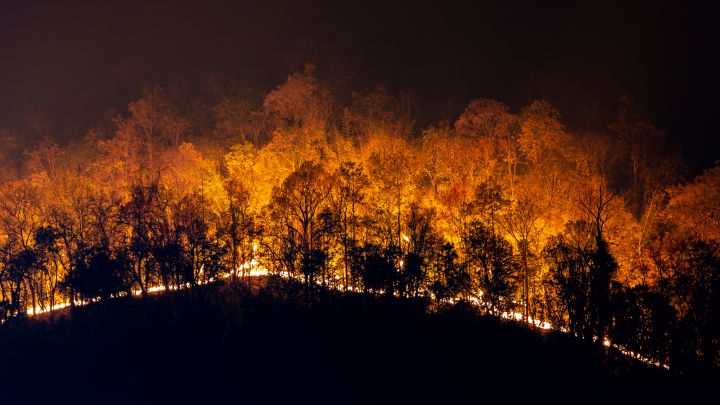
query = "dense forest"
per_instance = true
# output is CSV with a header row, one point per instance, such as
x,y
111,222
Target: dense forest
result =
x,y
597,233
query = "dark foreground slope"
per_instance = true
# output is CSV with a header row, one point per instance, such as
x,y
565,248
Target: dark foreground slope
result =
x,y
224,345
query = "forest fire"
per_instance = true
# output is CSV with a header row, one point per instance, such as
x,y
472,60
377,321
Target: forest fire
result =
x,y
523,212
362,199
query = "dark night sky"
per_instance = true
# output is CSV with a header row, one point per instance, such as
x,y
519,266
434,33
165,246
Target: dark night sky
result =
x,y
74,59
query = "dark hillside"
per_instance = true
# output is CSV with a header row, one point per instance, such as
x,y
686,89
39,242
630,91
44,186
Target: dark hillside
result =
x,y
222,345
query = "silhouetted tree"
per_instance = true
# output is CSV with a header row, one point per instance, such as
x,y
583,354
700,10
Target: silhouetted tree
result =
x,y
643,321
352,182
295,208
492,258
380,268
693,289
18,271
420,245
450,277
569,259
144,215
97,274
603,264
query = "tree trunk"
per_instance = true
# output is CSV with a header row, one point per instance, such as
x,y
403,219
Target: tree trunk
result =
x,y
526,287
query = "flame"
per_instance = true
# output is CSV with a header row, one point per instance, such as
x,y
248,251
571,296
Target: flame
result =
x,y
254,269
